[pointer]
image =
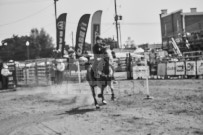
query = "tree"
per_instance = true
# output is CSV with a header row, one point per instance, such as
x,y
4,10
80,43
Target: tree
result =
x,y
87,46
41,43
15,48
111,42
40,46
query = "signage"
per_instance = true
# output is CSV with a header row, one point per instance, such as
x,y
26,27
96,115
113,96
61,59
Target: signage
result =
x,y
190,68
180,68
140,71
170,69
200,67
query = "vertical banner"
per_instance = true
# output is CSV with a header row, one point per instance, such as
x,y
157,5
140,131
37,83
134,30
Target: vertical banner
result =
x,y
95,26
190,67
81,35
170,68
180,68
61,27
200,67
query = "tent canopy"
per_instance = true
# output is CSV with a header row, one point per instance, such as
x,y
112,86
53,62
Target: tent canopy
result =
x,y
139,50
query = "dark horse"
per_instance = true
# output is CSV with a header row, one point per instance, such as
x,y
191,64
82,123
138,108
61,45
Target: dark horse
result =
x,y
105,73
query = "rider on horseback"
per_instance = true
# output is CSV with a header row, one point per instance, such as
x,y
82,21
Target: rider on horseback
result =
x,y
101,72
98,53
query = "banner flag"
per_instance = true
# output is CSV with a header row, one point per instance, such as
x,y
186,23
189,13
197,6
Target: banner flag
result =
x,y
60,31
81,35
95,26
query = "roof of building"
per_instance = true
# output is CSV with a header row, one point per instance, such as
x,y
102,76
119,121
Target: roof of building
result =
x,y
180,10
164,15
195,13
154,46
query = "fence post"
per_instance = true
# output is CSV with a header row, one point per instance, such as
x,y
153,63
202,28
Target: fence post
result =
x,y
147,81
46,72
79,77
129,69
36,73
26,78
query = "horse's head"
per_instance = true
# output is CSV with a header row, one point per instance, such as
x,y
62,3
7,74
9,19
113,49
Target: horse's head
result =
x,y
107,53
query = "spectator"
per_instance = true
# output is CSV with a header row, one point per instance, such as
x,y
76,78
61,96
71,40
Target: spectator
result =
x,y
1,66
5,73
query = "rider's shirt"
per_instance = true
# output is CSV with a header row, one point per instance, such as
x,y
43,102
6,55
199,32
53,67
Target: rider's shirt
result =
x,y
97,50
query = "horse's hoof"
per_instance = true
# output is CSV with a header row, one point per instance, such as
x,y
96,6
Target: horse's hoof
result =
x,y
97,106
104,102
115,82
99,95
113,98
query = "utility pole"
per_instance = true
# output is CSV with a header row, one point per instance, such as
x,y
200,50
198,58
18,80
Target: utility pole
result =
x,y
55,18
120,35
116,21
72,40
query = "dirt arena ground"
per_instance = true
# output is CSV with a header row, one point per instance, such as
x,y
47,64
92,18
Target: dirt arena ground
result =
x,y
177,109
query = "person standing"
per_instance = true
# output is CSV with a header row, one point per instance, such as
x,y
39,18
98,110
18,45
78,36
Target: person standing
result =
x,y
5,73
1,66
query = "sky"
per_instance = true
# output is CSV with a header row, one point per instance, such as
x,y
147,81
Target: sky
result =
x,y
140,21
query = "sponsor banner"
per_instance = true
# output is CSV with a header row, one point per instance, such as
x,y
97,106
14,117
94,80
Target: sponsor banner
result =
x,y
96,32
60,30
190,68
81,35
161,69
170,70
180,68
200,67
140,71
95,26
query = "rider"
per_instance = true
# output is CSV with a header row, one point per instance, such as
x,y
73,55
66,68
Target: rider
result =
x,y
97,51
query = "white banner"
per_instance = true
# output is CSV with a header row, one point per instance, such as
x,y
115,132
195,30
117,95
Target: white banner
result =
x,y
180,68
200,67
95,26
140,71
170,69
190,68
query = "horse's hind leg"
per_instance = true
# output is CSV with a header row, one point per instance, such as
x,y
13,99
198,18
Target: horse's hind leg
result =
x,y
94,96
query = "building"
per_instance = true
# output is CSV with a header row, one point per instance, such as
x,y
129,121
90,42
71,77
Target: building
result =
x,y
150,46
185,28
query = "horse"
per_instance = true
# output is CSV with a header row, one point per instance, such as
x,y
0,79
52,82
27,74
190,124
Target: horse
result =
x,y
105,73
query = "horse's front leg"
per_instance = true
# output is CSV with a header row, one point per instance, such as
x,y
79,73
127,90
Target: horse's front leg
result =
x,y
110,83
94,96
102,95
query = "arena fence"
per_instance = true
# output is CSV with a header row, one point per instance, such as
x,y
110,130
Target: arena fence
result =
x,y
42,71
34,72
